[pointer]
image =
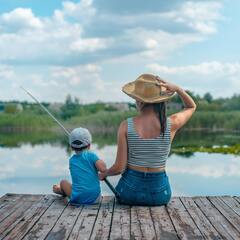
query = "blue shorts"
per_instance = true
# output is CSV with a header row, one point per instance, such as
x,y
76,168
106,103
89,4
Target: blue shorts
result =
x,y
144,188
84,198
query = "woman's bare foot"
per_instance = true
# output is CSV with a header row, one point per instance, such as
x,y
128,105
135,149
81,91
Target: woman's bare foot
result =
x,y
57,189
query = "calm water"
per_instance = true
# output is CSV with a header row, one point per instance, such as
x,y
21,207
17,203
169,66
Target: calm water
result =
x,y
27,168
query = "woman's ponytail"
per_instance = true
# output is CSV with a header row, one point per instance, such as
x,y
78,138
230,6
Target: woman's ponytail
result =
x,y
160,110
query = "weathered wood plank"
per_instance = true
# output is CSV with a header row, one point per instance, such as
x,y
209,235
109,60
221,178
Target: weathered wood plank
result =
x,y
9,199
47,221
85,223
226,211
102,225
232,203
13,198
182,221
65,223
30,217
16,215
9,206
205,227
121,222
163,224
237,198
142,226
220,223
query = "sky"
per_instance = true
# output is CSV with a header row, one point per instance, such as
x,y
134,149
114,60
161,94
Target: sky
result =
x,y
91,48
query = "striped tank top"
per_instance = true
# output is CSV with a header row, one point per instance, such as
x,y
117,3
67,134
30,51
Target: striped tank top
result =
x,y
152,152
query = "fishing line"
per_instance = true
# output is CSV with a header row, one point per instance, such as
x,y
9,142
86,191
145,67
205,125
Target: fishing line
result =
x,y
67,133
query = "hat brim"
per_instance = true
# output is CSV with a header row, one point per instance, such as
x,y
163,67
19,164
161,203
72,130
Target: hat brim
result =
x,y
129,90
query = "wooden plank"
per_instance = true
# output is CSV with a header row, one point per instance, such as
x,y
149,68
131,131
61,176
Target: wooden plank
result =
x,y
85,223
232,203
47,221
121,222
13,198
30,217
220,223
226,211
10,206
182,221
237,198
142,226
205,227
16,215
9,199
102,225
163,224
65,223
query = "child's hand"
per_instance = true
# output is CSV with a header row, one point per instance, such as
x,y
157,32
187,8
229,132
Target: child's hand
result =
x,y
102,175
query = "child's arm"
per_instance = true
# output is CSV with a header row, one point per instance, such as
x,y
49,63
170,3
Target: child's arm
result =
x,y
101,166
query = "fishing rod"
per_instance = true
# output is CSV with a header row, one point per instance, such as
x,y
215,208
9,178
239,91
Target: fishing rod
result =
x,y
66,132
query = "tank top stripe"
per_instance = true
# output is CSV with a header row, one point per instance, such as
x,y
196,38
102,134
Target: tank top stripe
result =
x,y
151,152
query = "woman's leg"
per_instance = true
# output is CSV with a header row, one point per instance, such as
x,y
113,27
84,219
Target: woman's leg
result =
x,y
64,188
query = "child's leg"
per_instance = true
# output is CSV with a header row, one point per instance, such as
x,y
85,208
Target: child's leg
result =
x,y
64,188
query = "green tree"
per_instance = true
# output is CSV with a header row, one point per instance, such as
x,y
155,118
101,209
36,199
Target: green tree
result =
x,y
208,97
70,108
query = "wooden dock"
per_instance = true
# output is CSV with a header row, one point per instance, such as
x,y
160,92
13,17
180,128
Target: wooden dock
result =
x,y
48,217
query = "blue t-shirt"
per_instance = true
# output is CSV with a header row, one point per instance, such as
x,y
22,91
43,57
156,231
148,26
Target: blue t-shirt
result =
x,y
85,181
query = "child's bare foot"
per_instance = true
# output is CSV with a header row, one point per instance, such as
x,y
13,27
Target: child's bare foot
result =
x,y
57,189
65,200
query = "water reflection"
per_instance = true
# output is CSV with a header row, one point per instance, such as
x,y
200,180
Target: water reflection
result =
x,y
35,168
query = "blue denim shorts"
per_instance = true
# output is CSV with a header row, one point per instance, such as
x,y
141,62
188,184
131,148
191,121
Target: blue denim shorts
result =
x,y
144,188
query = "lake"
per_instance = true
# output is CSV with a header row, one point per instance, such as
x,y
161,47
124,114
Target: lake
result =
x,y
27,167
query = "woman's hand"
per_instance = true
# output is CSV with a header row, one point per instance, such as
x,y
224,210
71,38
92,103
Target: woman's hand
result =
x,y
102,175
169,86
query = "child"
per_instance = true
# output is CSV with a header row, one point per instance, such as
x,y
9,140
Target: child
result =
x,y
84,166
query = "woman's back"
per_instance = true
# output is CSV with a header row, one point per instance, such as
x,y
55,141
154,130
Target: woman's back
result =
x,y
147,125
148,152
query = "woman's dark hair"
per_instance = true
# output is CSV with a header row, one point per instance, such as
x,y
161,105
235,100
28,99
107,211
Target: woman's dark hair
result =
x,y
160,110
77,142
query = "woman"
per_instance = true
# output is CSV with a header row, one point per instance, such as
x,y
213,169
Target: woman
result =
x,y
144,142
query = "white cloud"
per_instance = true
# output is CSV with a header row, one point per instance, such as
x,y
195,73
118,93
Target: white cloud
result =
x,y
64,37
205,68
20,18
207,76
61,47
38,81
26,39
81,11
201,16
88,45
160,44
78,75
6,72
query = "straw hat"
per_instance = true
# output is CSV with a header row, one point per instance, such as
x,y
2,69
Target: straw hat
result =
x,y
146,88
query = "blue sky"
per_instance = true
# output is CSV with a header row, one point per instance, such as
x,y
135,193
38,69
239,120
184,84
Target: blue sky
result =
x,y
90,48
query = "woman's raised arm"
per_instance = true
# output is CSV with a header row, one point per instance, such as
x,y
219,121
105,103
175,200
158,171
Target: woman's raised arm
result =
x,y
180,118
